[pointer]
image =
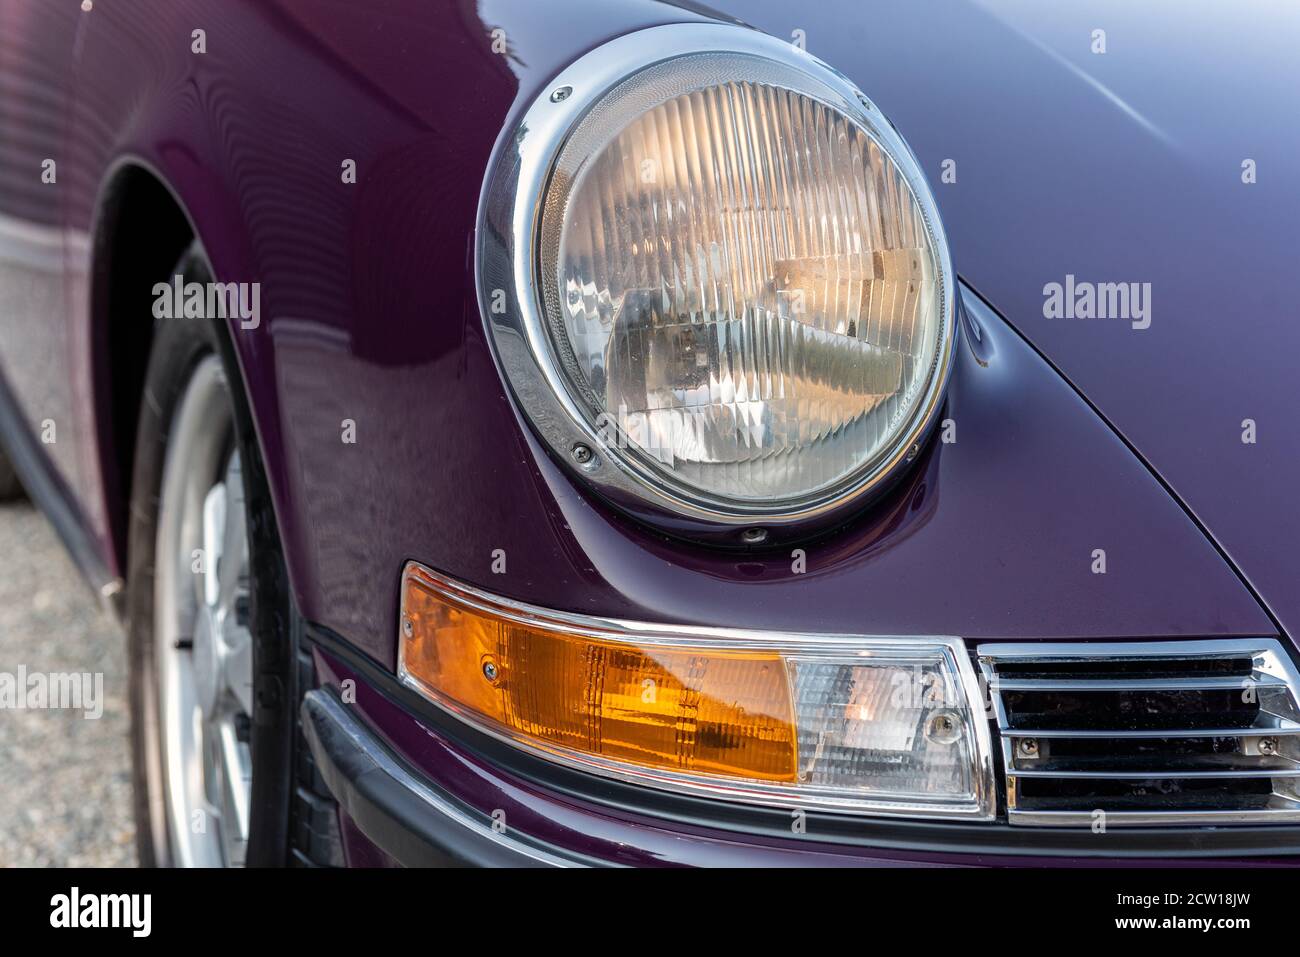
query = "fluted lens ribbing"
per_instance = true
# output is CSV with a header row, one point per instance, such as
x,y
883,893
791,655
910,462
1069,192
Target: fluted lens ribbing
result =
x,y
749,294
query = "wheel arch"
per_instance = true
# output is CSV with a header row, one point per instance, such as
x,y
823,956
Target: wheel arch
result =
x,y
142,229
139,233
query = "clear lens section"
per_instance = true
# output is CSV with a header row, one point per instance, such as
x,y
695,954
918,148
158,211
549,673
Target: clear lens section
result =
x,y
895,727
745,293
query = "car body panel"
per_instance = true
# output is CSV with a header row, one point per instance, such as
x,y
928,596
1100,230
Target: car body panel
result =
x,y
370,317
1123,166
1067,496
44,351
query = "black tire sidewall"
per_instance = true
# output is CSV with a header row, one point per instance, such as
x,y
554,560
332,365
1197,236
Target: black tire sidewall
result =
x,y
178,347
10,485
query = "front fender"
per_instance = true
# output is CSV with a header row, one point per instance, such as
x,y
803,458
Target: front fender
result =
x,y
387,432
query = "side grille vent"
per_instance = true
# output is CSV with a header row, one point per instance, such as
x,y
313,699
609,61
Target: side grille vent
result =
x,y
1147,732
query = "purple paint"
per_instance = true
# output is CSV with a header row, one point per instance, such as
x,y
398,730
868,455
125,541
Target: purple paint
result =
x,y
1068,164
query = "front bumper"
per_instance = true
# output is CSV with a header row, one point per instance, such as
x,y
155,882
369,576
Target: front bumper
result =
x,y
427,793
410,818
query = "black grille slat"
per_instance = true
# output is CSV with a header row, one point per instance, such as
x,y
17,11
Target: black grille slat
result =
x,y
1143,668
1065,794
1124,710
1168,754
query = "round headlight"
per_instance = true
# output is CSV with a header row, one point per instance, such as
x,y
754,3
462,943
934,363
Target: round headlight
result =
x,y
729,272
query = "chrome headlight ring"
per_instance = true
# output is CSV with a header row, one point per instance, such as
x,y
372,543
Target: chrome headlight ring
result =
x,y
512,289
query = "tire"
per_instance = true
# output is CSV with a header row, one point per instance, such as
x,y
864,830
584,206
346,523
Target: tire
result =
x,y
189,356
10,487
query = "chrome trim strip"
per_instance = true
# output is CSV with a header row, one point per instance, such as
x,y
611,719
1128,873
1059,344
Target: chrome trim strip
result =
x,y
1149,818
1145,684
1281,726
1116,650
1155,775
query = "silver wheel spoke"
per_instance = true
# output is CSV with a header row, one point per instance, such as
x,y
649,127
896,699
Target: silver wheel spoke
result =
x,y
214,529
237,784
232,568
239,668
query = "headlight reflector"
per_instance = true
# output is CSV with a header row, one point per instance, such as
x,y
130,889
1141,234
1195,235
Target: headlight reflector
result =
x,y
740,280
854,724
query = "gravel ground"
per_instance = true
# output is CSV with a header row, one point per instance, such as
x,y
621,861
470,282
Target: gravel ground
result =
x,y
65,781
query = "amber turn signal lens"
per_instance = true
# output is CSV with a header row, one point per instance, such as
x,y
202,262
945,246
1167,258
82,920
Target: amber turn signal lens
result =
x,y
548,683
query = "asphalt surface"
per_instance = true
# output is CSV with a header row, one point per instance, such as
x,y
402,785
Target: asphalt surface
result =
x,y
65,780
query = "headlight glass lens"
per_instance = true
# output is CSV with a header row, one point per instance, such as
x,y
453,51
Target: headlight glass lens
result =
x,y
740,282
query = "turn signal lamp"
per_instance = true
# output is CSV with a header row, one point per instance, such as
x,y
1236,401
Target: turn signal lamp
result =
x,y
876,725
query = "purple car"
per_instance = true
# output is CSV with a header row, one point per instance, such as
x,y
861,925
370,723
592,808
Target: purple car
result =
x,y
650,433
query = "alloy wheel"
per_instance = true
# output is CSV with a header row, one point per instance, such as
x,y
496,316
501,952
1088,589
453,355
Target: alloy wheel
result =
x,y
203,645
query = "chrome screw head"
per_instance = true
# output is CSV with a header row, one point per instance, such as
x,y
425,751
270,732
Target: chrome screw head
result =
x,y
560,94
1027,747
943,728
583,455
754,536
490,670
1268,745
408,629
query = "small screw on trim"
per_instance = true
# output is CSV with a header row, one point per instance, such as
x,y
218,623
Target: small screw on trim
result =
x,y
1027,748
913,452
560,94
754,536
408,629
1268,745
583,455
490,670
